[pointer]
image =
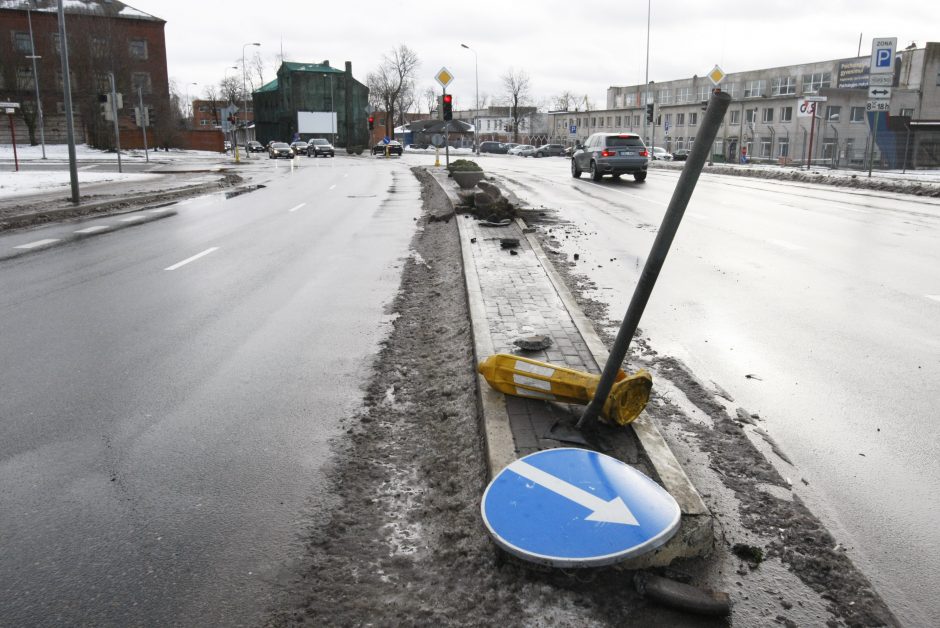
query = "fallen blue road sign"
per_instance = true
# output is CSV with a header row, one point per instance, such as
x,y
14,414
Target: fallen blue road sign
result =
x,y
577,508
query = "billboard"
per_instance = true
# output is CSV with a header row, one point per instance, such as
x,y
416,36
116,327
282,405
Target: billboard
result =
x,y
853,74
316,122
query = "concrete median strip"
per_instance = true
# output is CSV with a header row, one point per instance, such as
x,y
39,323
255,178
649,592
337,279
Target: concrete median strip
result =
x,y
576,340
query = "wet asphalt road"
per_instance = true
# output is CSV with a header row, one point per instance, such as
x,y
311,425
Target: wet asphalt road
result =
x,y
831,298
164,418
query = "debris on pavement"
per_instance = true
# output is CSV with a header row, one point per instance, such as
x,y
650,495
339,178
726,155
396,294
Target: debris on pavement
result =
x,y
534,343
682,596
508,243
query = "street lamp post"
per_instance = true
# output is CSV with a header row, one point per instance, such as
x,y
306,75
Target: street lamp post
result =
x,y
476,112
245,98
33,56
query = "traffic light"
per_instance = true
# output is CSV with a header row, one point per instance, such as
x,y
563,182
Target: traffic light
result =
x,y
371,123
649,112
448,102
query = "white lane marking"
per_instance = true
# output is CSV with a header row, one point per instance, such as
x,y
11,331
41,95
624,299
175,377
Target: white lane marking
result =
x,y
89,167
93,229
33,245
131,218
192,259
933,297
158,211
293,209
613,511
787,245
332,186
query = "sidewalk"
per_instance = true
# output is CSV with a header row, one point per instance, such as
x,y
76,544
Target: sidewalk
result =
x,y
519,295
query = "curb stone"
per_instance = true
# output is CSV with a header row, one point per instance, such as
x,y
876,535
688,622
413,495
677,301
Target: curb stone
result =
x,y
696,532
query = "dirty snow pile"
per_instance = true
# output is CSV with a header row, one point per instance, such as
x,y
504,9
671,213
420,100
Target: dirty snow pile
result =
x,y
24,183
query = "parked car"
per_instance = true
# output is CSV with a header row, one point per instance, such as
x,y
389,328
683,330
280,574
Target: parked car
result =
x,y
299,147
255,147
550,150
681,155
497,148
510,145
319,146
615,154
526,150
518,148
394,148
661,154
280,149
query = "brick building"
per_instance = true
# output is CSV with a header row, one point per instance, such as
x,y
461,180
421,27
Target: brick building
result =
x,y
104,36
213,114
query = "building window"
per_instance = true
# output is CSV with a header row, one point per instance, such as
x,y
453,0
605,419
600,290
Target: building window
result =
x,y
618,120
593,121
719,148
783,86
704,92
141,80
735,117
99,47
730,89
609,121
754,89
783,147
857,114
57,43
812,83
693,118
102,83
665,96
138,48
691,141
680,143
669,119
205,122
765,146
750,116
21,42
786,114
630,100
636,120
24,78
907,112
683,95
680,119
767,115
833,113
828,147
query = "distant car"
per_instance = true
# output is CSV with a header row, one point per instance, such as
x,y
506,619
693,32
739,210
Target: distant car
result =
x,y
681,155
615,154
550,150
510,145
319,146
299,147
280,149
661,154
394,148
227,145
497,148
526,150
255,147
570,151
516,149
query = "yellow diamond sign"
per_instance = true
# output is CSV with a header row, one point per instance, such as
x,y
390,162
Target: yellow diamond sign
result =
x,y
444,77
716,75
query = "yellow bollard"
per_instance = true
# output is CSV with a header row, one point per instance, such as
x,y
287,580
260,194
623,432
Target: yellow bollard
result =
x,y
524,377
437,157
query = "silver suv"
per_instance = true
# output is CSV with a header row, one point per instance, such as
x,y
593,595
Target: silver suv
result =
x,y
611,153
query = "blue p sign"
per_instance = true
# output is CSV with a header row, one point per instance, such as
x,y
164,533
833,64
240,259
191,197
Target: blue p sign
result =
x,y
883,58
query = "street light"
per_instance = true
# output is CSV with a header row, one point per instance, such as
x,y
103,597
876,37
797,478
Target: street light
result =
x,y
33,56
245,97
476,113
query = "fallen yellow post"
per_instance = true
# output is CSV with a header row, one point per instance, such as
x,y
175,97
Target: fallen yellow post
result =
x,y
524,377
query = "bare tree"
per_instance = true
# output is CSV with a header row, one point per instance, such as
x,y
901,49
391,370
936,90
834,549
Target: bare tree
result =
x,y
564,101
212,95
516,86
230,89
429,97
391,81
256,71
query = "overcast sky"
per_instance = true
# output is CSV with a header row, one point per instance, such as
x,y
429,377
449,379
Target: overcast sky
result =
x,y
582,47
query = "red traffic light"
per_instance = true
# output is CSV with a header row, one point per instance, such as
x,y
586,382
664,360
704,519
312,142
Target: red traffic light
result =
x,y
371,119
448,99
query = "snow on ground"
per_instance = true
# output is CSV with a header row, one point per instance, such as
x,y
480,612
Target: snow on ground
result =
x,y
24,183
430,151
83,152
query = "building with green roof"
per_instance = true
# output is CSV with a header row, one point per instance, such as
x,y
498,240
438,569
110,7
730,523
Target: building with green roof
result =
x,y
312,100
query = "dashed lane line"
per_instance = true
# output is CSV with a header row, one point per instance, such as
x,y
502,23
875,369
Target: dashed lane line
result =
x,y
332,186
131,218
296,207
192,259
93,229
37,243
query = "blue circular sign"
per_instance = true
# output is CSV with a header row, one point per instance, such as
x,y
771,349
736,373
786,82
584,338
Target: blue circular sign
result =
x,y
572,507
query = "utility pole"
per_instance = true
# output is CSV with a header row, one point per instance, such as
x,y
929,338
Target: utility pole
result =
x,y
33,56
649,4
67,96
143,117
114,114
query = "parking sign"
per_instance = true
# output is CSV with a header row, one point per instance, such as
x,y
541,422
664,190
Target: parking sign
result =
x,y
882,55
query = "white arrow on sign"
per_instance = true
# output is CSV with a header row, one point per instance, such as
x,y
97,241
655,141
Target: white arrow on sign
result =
x,y
614,511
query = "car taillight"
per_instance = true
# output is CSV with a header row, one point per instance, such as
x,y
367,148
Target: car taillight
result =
x,y
608,153
644,153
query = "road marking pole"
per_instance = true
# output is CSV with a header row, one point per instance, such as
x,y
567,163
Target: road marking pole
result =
x,y
192,259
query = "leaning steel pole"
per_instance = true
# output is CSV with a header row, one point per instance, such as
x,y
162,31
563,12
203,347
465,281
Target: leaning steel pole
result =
x,y
717,106
67,96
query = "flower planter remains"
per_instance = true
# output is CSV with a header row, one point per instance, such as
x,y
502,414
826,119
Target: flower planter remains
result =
x,y
467,179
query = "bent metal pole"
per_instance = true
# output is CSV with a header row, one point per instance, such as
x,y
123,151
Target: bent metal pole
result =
x,y
717,106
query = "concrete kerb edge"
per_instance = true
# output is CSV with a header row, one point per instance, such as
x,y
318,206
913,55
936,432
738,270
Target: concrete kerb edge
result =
x,y
696,533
